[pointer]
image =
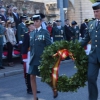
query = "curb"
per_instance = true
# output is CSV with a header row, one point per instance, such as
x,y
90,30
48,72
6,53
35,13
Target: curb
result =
x,y
10,73
15,72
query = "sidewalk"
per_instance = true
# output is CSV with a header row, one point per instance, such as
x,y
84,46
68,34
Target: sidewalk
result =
x,y
8,71
16,69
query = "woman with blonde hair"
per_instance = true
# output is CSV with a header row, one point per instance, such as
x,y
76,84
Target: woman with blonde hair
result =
x,y
11,41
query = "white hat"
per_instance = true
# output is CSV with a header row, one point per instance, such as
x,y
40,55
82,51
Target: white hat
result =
x,y
14,8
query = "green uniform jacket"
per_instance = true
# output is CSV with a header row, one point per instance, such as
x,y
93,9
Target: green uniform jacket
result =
x,y
38,41
75,32
1,34
58,34
93,35
22,29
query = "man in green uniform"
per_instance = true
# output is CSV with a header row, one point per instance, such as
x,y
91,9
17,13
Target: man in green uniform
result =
x,y
22,29
75,30
1,43
39,39
58,32
93,34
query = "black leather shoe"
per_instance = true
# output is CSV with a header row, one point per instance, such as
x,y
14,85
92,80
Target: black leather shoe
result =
x,y
55,96
38,92
37,99
55,92
29,92
2,67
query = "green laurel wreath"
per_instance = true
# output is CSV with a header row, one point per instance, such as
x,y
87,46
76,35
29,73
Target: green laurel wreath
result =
x,y
64,83
93,1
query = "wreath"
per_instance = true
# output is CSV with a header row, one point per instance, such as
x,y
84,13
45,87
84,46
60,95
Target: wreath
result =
x,y
93,1
49,67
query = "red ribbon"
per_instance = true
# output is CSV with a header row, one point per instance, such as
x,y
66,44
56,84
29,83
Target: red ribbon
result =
x,y
62,54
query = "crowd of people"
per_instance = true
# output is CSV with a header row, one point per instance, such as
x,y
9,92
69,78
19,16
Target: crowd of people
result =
x,y
9,23
13,25
17,30
33,34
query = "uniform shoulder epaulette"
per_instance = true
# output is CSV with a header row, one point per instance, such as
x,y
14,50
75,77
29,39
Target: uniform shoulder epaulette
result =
x,y
92,19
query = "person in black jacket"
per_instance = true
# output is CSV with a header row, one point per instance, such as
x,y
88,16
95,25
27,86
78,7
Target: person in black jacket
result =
x,y
67,30
3,14
16,19
26,54
58,32
16,16
83,28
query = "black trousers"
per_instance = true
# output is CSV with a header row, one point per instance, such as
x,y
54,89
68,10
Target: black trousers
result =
x,y
10,50
21,50
27,81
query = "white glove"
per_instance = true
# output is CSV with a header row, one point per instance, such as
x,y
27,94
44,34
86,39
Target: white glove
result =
x,y
20,42
52,39
88,49
25,60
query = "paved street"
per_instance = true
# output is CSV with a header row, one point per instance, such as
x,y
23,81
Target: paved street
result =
x,y
13,87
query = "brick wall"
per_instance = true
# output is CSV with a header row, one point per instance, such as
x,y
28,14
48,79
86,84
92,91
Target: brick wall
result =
x,y
82,9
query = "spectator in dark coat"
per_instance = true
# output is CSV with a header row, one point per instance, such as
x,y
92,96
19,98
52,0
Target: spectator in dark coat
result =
x,y
3,14
16,19
83,27
16,16
67,30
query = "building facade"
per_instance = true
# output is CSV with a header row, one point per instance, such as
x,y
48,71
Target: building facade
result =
x,y
32,6
80,10
77,10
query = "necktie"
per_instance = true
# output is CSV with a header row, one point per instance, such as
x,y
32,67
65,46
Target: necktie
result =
x,y
98,23
36,30
16,15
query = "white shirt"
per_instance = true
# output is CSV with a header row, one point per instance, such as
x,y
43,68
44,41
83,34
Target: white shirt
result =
x,y
59,27
97,22
38,28
23,23
15,14
67,25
